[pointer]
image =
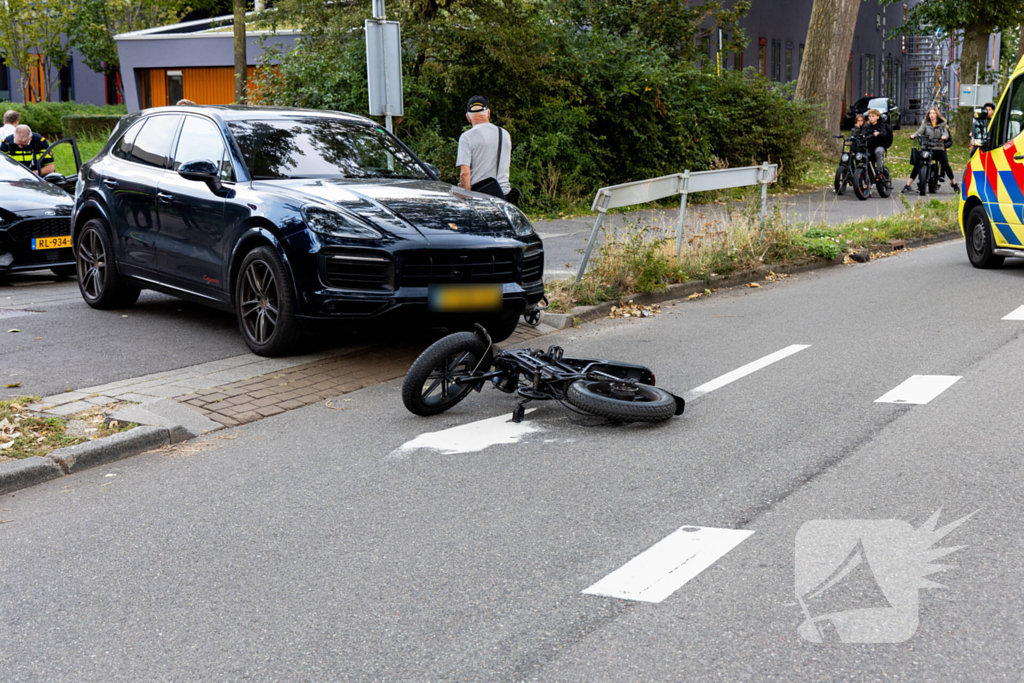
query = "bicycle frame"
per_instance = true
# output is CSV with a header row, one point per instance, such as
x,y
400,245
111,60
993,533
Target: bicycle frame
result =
x,y
536,375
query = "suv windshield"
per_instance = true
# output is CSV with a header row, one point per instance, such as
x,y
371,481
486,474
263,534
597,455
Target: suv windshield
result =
x,y
12,170
321,148
879,103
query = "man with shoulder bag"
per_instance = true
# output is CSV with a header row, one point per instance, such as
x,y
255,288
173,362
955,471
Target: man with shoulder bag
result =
x,y
485,153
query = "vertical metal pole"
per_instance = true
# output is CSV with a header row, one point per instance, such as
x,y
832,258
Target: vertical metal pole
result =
x,y
590,244
764,192
684,188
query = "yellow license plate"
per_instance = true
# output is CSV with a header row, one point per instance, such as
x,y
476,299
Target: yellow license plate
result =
x,y
61,242
464,298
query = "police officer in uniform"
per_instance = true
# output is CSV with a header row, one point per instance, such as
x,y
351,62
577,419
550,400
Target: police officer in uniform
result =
x,y
25,147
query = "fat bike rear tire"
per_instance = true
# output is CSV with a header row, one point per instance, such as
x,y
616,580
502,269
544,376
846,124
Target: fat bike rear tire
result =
x,y
595,397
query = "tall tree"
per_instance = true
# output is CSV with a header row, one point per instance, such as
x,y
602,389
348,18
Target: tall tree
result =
x,y
826,54
241,63
974,22
98,21
32,41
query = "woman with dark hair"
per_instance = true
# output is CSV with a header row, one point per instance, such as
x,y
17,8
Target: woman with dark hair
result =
x,y
933,133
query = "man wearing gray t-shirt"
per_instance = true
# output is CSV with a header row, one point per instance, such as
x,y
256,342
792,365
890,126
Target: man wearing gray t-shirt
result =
x,y
478,158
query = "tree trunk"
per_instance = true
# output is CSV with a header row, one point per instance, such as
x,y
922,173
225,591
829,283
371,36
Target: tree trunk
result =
x,y
972,60
826,55
241,63
1020,45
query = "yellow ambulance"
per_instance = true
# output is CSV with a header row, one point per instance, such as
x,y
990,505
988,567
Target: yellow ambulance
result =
x,y
992,194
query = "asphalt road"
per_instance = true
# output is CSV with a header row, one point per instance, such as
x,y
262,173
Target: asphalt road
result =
x,y
64,344
312,546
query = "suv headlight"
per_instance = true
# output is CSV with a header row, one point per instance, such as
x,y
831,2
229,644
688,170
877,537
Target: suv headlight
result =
x,y
330,222
520,223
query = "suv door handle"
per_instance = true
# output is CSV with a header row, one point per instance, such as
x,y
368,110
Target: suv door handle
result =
x,y
164,197
110,183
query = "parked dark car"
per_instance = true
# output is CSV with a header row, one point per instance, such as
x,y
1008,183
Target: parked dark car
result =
x,y
35,222
886,105
292,218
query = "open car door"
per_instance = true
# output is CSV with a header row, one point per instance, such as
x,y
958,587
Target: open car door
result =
x,y
65,182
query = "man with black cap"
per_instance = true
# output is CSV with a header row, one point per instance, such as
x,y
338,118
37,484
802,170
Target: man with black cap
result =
x,y
485,151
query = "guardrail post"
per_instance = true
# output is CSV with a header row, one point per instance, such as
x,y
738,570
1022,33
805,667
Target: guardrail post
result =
x,y
764,192
684,186
593,238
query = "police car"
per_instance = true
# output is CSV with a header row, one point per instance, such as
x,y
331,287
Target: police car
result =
x,y
992,195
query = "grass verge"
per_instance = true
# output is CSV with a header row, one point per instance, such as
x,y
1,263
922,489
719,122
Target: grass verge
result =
x,y
24,434
642,259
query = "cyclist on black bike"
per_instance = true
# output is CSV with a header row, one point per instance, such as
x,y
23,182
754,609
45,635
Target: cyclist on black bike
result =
x,y
934,134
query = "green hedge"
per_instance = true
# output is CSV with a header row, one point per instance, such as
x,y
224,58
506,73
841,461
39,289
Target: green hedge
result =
x,y
80,126
45,117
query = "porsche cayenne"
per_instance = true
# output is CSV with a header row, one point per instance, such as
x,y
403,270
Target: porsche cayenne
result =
x,y
292,218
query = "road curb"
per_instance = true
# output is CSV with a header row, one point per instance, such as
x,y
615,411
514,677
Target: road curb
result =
x,y
21,474
109,449
27,472
681,290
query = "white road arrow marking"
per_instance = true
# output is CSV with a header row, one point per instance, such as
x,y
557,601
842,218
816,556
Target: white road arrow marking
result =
x,y
469,438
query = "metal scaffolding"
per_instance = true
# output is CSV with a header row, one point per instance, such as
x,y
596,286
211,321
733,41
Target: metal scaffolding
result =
x,y
929,76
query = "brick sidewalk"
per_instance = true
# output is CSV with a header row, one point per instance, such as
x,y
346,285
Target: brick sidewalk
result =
x,y
276,392
246,388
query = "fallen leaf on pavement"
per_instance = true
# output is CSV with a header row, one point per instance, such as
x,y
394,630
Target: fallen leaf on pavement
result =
x,y
14,330
632,310
753,285
775,277
12,385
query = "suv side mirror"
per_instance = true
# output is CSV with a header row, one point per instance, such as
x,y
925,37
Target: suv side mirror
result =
x,y
203,171
433,171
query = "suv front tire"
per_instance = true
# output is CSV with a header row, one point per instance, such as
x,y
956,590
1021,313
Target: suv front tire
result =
x,y
265,304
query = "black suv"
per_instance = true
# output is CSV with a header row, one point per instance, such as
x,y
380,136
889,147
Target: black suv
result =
x,y
290,218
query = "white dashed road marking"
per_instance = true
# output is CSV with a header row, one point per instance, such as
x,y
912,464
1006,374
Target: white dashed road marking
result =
x,y
1016,314
739,373
919,389
666,566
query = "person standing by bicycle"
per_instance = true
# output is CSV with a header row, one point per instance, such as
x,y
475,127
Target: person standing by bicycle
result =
x,y
879,134
934,134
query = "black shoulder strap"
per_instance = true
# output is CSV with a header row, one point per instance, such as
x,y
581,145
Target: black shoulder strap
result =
x,y
497,170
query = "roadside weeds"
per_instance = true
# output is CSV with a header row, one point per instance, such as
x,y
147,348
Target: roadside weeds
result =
x,y
642,260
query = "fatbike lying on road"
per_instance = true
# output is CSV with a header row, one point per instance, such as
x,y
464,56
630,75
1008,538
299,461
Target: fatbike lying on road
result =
x,y
455,365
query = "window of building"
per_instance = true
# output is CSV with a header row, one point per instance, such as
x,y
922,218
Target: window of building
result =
x,y
776,60
870,76
175,87
762,61
147,90
66,84
789,62
737,61
890,84
113,81
153,143
848,92
898,96
5,81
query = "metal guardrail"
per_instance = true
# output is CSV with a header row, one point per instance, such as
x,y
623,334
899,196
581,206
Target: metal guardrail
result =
x,y
643,191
